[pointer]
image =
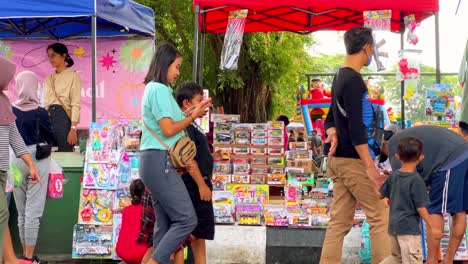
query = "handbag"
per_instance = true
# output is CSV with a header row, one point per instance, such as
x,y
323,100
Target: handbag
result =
x,y
42,151
183,151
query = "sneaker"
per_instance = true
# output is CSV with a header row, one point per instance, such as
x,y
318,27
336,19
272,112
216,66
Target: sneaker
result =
x,y
36,260
25,261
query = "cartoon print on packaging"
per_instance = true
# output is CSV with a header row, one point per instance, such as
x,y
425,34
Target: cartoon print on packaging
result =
x,y
91,241
96,207
101,176
104,144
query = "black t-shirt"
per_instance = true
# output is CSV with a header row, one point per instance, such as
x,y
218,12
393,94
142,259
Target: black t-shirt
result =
x,y
407,192
351,112
203,157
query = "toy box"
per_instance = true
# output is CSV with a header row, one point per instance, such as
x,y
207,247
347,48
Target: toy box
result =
x,y
241,151
275,151
259,134
302,178
259,127
278,141
299,155
298,146
258,178
220,181
276,161
222,118
276,179
241,178
223,213
276,215
276,133
259,141
90,241
249,214
241,168
258,150
299,220
222,168
275,125
259,169
258,161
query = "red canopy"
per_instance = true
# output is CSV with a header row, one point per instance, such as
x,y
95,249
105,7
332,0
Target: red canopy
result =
x,y
306,15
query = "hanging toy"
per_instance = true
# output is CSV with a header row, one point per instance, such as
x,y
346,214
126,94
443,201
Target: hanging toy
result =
x,y
410,89
378,53
410,24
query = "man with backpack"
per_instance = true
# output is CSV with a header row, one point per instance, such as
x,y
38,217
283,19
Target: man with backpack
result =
x,y
351,129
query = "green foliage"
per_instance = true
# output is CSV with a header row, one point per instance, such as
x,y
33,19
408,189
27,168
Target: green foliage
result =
x,y
277,60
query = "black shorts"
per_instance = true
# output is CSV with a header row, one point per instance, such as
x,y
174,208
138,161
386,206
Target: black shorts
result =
x,y
206,225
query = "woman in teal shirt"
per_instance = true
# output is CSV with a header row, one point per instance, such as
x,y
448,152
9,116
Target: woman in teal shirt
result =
x,y
176,218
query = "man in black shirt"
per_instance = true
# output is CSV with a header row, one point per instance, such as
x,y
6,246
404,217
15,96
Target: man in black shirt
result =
x,y
351,163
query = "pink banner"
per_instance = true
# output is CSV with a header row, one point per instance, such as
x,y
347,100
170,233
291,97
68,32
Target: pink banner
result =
x,y
122,66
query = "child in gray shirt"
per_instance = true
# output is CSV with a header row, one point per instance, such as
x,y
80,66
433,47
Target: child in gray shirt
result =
x,y
408,201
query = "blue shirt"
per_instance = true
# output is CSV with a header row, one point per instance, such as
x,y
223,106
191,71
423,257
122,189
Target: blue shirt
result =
x,y
158,103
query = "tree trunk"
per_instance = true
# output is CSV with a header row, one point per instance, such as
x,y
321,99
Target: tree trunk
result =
x,y
252,101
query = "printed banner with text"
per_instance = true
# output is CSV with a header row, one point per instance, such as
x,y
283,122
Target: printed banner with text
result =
x,y
121,67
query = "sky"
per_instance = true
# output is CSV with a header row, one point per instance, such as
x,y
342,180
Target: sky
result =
x,y
453,37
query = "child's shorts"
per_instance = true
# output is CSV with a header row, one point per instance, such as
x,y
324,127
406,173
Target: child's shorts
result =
x,y
449,190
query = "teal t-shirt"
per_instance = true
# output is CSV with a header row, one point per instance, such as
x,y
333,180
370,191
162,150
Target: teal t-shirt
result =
x,y
158,103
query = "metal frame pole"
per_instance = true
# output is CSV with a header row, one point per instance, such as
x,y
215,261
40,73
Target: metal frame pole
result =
x,y
437,48
94,63
202,59
402,91
195,44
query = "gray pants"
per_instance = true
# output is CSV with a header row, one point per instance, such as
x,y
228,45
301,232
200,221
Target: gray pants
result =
x,y
30,198
175,216
4,213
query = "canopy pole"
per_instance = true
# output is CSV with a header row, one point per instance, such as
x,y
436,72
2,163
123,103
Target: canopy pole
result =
x,y
195,44
437,48
402,91
94,63
202,59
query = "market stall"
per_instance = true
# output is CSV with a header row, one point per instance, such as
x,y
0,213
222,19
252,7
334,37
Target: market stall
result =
x,y
82,24
298,205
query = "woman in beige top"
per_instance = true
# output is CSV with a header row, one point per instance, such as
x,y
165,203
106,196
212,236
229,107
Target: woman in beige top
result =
x,y
62,97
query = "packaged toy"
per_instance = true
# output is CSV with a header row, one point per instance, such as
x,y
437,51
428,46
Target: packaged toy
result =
x,y
249,214
96,207
258,150
220,181
275,125
241,178
258,178
222,168
91,241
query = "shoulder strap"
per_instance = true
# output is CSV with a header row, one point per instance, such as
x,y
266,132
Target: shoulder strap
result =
x,y
156,136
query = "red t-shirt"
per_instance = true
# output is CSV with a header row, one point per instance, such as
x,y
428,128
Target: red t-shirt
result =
x,y
286,139
127,247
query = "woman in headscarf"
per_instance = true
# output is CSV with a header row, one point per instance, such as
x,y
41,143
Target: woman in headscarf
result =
x,y
9,136
35,128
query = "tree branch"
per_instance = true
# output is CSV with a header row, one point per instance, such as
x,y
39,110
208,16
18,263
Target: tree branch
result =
x,y
179,28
